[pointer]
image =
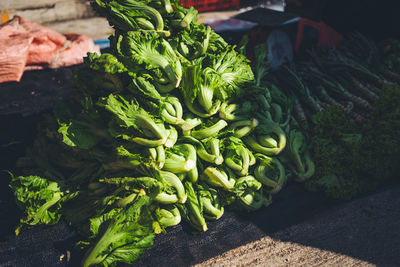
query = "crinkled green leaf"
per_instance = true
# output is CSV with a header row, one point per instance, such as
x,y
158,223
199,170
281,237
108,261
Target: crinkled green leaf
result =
x,y
121,236
78,133
39,198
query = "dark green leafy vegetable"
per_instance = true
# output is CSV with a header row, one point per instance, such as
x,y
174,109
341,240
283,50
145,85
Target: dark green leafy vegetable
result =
x,y
168,216
192,42
209,151
218,177
42,198
130,155
270,172
351,159
121,236
147,53
214,78
297,149
237,156
131,15
210,201
100,76
263,133
192,211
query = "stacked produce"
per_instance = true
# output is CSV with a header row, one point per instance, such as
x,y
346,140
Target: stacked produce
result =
x,y
170,125
347,98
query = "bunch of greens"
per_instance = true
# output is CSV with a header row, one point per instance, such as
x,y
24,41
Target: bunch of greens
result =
x,y
171,125
353,159
346,98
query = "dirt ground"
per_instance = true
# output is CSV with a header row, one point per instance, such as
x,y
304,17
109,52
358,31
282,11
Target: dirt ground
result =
x,y
271,252
364,232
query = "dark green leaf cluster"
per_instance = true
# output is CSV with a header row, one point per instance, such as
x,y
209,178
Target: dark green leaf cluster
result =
x,y
170,125
340,96
41,198
380,144
352,159
335,146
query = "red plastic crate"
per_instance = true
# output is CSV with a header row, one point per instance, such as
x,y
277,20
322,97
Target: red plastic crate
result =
x,y
210,5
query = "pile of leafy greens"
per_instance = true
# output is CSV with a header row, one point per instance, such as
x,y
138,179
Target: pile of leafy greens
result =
x,y
171,125
346,98
351,158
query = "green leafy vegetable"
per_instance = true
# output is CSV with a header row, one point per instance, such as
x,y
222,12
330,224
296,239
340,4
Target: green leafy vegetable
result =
x,y
40,196
123,237
146,52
